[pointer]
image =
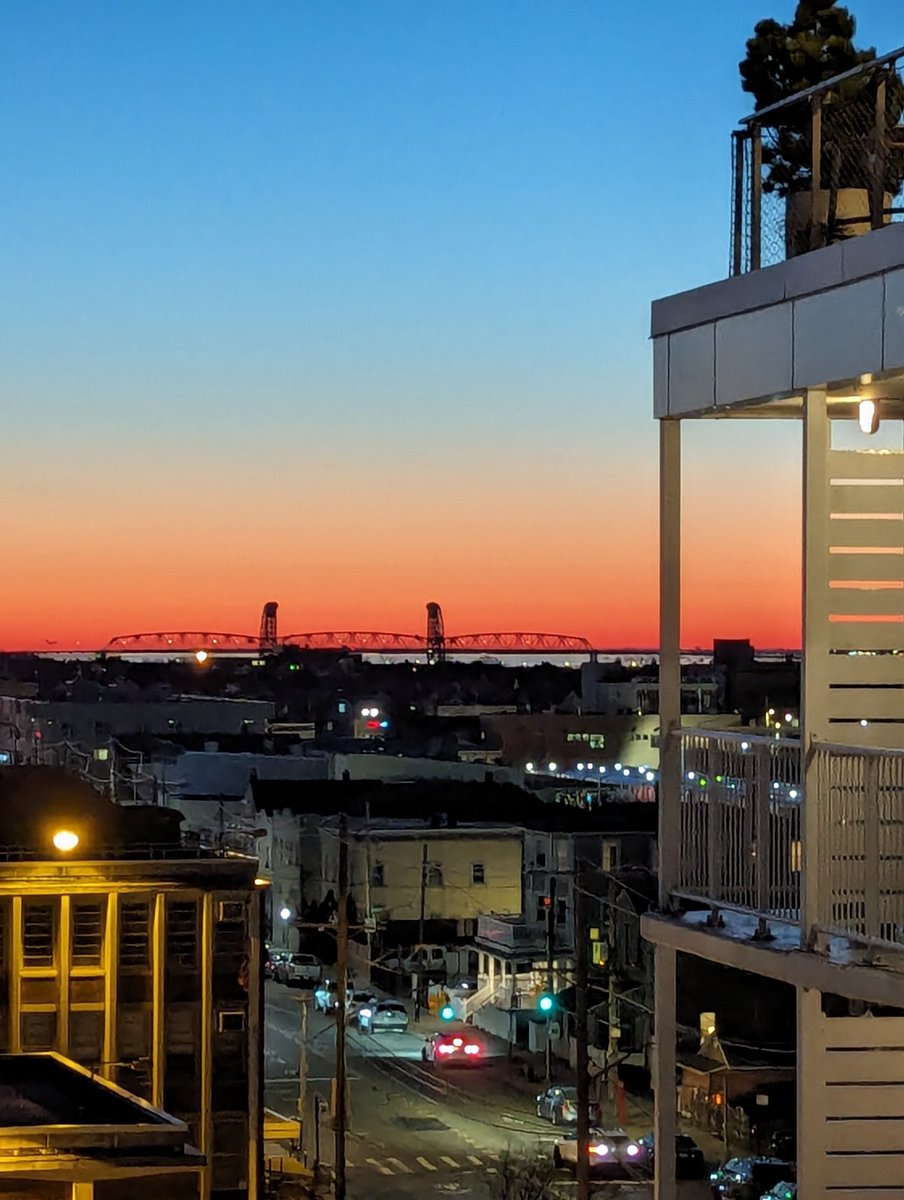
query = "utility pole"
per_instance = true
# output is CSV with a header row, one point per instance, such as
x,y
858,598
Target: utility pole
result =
x,y
612,1007
342,972
581,1049
550,954
303,1062
420,929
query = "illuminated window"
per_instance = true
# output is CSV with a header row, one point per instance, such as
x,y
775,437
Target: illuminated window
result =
x,y
38,933
87,932
134,933
182,934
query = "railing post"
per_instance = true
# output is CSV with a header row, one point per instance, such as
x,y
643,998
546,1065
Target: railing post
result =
x,y
816,172
715,816
761,800
737,231
756,197
877,178
872,863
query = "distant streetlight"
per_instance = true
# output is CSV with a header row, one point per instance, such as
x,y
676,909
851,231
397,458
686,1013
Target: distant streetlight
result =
x,y
65,839
529,766
553,767
201,657
580,766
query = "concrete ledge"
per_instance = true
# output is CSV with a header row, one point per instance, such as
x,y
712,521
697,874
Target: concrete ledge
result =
x,y
857,258
733,947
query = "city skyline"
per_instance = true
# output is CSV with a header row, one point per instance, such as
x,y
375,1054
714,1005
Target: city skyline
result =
x,y
348,308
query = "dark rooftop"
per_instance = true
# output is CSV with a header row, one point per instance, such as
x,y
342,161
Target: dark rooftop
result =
x,y
42,1089
446,804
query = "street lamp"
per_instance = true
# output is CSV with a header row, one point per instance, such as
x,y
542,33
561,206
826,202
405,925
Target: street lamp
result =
x,y
285,913
65,839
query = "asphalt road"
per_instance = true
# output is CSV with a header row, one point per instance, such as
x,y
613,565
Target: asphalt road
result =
x,y
413,1131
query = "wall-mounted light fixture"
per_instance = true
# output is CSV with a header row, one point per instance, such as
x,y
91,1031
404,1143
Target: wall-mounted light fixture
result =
x,y
868,416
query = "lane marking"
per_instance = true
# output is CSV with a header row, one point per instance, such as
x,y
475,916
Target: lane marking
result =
x,y
403,1167
472,1158
426,1164
374,1162
491,1171
450,1161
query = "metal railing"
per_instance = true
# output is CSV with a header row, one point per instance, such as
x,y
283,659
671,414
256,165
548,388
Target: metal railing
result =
x,y
845,135
741,816
861,869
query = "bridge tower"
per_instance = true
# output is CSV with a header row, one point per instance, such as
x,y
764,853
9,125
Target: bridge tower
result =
x,y
269,642
436,634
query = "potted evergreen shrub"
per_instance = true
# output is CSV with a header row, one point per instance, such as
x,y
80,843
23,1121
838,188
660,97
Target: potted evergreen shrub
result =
x,y
859,173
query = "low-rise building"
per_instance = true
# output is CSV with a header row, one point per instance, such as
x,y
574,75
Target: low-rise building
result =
x,y
137,955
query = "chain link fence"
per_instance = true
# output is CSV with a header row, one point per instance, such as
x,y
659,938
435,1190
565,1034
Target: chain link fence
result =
x,y
825,165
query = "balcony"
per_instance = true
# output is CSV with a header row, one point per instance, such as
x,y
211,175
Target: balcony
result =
x,y
742,840
846,134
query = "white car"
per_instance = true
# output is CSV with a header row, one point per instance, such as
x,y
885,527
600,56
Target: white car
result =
x,y
612,1154
387,1016
300,968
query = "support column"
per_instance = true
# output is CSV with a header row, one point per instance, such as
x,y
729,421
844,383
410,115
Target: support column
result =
x,y
15,976
159,999
82,1189
206,1113
64,965
257,929
811,1092
669,657
111,988
664,1090
815,640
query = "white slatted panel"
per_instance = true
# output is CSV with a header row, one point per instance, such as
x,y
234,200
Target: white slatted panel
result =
x,y
866,668
883,567
870,636
866,702
866,464
865,531
864,1170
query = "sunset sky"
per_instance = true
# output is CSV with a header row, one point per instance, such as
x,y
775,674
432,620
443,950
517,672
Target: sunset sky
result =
x,y
346,304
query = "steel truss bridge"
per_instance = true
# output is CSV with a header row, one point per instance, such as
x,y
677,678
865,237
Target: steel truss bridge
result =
x,y
435,644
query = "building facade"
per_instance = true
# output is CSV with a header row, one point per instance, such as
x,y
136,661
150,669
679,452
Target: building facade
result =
x,y
794,846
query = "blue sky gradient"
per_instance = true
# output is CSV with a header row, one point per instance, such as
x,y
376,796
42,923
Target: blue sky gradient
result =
x,y
321,256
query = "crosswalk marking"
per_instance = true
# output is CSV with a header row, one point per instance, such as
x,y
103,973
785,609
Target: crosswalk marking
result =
x,y
492,1171
402,1166
383,1170
426,1164
450,1161
472,1158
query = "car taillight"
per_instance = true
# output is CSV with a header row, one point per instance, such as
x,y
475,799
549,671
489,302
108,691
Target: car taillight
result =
x,y
602,1150
472,1049
446,1048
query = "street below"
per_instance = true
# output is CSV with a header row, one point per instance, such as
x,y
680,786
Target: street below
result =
x,y
414,1130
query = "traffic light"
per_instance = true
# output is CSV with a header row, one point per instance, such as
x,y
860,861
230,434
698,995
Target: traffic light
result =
x,y
545,1003
446,1013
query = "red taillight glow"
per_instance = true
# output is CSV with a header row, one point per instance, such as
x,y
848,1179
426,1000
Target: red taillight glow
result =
x,y
472,1049
445,1048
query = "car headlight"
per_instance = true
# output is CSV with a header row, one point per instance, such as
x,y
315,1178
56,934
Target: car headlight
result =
x,y
632,1150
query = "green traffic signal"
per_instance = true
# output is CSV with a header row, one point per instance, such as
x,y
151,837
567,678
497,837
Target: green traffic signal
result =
x,y
545,1003
447,1012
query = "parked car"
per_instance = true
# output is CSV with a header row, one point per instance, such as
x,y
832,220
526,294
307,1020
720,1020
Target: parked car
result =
x,y
748,1178
781,1191
612,1154
454,1048
421,960
387,1016
560,1105
297,969
689,1161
